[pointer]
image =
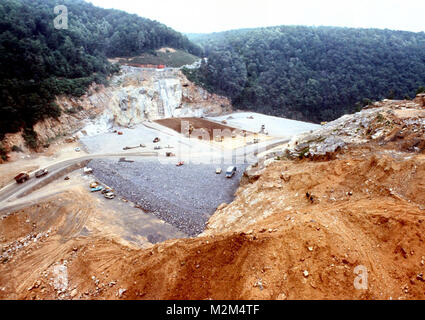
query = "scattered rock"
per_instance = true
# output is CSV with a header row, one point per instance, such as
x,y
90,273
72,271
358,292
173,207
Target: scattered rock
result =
x,y
74,293
282,297
121,292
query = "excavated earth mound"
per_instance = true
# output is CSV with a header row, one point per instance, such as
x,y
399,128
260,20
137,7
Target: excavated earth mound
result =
x,y
316,212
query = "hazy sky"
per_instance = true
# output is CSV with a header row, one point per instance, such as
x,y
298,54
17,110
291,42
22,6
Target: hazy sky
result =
x,y
200,16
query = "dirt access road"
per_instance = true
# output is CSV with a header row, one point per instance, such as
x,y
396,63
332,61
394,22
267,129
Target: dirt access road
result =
x,y
15,191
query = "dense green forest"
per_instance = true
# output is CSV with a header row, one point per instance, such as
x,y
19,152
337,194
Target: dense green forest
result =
x,y
38,61
310,73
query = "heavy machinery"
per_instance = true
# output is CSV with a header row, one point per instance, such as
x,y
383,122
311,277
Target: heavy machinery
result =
x,y
191,128
94,185
109,195
97,189
22,177
87,170
219,139
231,171
41,173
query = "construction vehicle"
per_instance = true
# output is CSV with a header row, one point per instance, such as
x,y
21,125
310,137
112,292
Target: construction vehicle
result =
x,y
231,171
107,190
219,139
131,148
191,129
94,185
109,195
97,189
41,173
22,177
125,160
88,170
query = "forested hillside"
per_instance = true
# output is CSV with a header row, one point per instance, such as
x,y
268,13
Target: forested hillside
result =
x,y
38,61
309,73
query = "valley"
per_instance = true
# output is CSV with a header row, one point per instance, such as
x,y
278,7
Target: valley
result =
x,y
138,162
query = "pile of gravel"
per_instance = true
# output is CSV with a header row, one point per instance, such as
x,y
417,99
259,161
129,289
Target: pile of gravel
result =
x,y
184,197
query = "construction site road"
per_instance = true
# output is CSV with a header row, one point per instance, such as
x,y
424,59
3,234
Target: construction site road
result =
x,y
14,191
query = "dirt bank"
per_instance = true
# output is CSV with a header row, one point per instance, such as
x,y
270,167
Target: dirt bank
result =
x,y
300,230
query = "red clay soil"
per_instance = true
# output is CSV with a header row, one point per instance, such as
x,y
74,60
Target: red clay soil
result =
x,y
365,208
368,211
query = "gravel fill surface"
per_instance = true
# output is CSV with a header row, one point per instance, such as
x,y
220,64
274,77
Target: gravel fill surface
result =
x,y
185,197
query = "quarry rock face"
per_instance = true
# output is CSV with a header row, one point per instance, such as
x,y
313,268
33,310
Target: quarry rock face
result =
x,y
134,95
137,95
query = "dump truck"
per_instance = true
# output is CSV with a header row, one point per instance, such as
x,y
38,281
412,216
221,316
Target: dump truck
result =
x,y
22,177
94,185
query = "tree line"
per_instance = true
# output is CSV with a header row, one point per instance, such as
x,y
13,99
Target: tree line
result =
x,y
309,73
38,62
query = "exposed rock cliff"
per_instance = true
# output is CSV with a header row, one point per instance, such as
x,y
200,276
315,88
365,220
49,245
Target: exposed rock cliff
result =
x,y
134,96
150,94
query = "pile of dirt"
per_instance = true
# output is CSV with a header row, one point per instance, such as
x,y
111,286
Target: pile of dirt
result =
x,y
199,125
302,230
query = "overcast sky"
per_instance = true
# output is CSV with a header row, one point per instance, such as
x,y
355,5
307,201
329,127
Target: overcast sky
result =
x,y
199,16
